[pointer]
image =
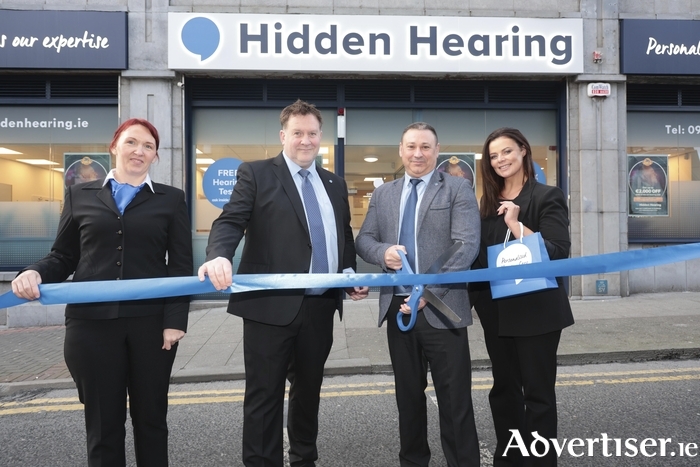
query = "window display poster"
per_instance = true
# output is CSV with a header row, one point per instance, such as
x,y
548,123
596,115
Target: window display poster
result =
x,y
459,165
647,178
220,179
82,167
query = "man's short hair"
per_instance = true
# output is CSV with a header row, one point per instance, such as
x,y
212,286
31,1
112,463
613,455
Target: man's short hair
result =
x,y
420,126
300,108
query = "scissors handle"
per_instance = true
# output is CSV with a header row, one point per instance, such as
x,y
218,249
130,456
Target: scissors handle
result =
x,y
413,299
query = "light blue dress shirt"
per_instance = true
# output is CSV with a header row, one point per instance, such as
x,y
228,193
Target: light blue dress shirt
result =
x,y
405,193
324,203
327,214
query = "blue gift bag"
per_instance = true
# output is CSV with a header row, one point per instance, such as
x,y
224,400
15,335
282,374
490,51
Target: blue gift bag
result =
x,y
525,250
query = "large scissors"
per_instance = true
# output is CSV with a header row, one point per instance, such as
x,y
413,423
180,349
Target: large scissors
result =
x,y
418,291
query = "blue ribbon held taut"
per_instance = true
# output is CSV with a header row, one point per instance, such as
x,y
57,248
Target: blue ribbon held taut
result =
x,y
137,289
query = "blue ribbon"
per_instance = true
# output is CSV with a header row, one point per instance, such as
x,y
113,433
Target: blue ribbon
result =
x,y
137,289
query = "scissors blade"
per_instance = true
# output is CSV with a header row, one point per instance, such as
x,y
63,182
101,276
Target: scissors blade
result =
x,y
441,306
433,299
443,258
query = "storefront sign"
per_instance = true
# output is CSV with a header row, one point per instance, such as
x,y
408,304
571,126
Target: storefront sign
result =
x,y
663,129
647,180
659,47
219,179
87,40
57,124
374,44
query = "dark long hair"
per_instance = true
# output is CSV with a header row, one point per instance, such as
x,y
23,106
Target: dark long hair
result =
x,y
493,183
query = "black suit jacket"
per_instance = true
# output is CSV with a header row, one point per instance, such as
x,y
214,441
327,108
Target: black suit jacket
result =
x,y
543,209
266,208
95,242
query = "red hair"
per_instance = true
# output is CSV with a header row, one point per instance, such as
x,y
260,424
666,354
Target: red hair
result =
x,y
131,122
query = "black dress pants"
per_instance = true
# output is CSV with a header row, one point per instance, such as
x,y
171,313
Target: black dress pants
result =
x,y
108,360
523,397
447,353
272,354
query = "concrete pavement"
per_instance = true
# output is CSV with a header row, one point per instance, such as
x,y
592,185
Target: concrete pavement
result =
x,y
640,327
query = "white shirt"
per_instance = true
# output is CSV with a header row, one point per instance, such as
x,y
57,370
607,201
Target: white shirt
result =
x,y
147,181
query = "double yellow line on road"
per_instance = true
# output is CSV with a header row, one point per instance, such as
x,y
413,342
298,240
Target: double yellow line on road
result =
x,y
222,396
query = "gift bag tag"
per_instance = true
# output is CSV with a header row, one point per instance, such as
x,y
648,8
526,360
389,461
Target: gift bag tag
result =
x,y
515,254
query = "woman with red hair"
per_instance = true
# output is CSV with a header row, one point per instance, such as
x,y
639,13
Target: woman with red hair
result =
x,y
123,226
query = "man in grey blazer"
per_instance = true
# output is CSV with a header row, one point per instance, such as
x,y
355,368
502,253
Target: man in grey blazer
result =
x,y
445,211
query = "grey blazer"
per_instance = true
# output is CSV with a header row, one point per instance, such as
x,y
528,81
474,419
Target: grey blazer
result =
x,y
448,213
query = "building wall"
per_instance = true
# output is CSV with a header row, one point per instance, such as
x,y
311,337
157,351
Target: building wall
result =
x,y
596,138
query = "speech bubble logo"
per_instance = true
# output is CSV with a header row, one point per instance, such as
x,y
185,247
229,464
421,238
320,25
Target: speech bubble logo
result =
x,y
201,37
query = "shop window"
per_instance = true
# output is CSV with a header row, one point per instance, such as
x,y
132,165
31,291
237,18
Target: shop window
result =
x,y
238,135
372,148
372,155
663,176
226,125
43,150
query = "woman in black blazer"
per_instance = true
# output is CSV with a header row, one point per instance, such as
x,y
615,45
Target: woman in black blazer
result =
x,y
521,333
122,227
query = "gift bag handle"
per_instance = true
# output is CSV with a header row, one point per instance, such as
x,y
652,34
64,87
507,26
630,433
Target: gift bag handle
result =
x,y
508,235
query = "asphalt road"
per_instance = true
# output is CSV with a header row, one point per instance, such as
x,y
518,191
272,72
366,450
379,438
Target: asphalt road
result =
x,y
658,402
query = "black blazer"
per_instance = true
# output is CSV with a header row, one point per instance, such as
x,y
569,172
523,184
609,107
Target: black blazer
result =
x,y
543,209
265,206
95,242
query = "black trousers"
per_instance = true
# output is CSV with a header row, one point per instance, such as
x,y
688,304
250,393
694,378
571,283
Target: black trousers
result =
x,y
447,353
108,360
523,397
272,354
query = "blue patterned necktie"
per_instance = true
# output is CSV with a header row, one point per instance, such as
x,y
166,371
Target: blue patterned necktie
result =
x,y
123,193
319,254
407,234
